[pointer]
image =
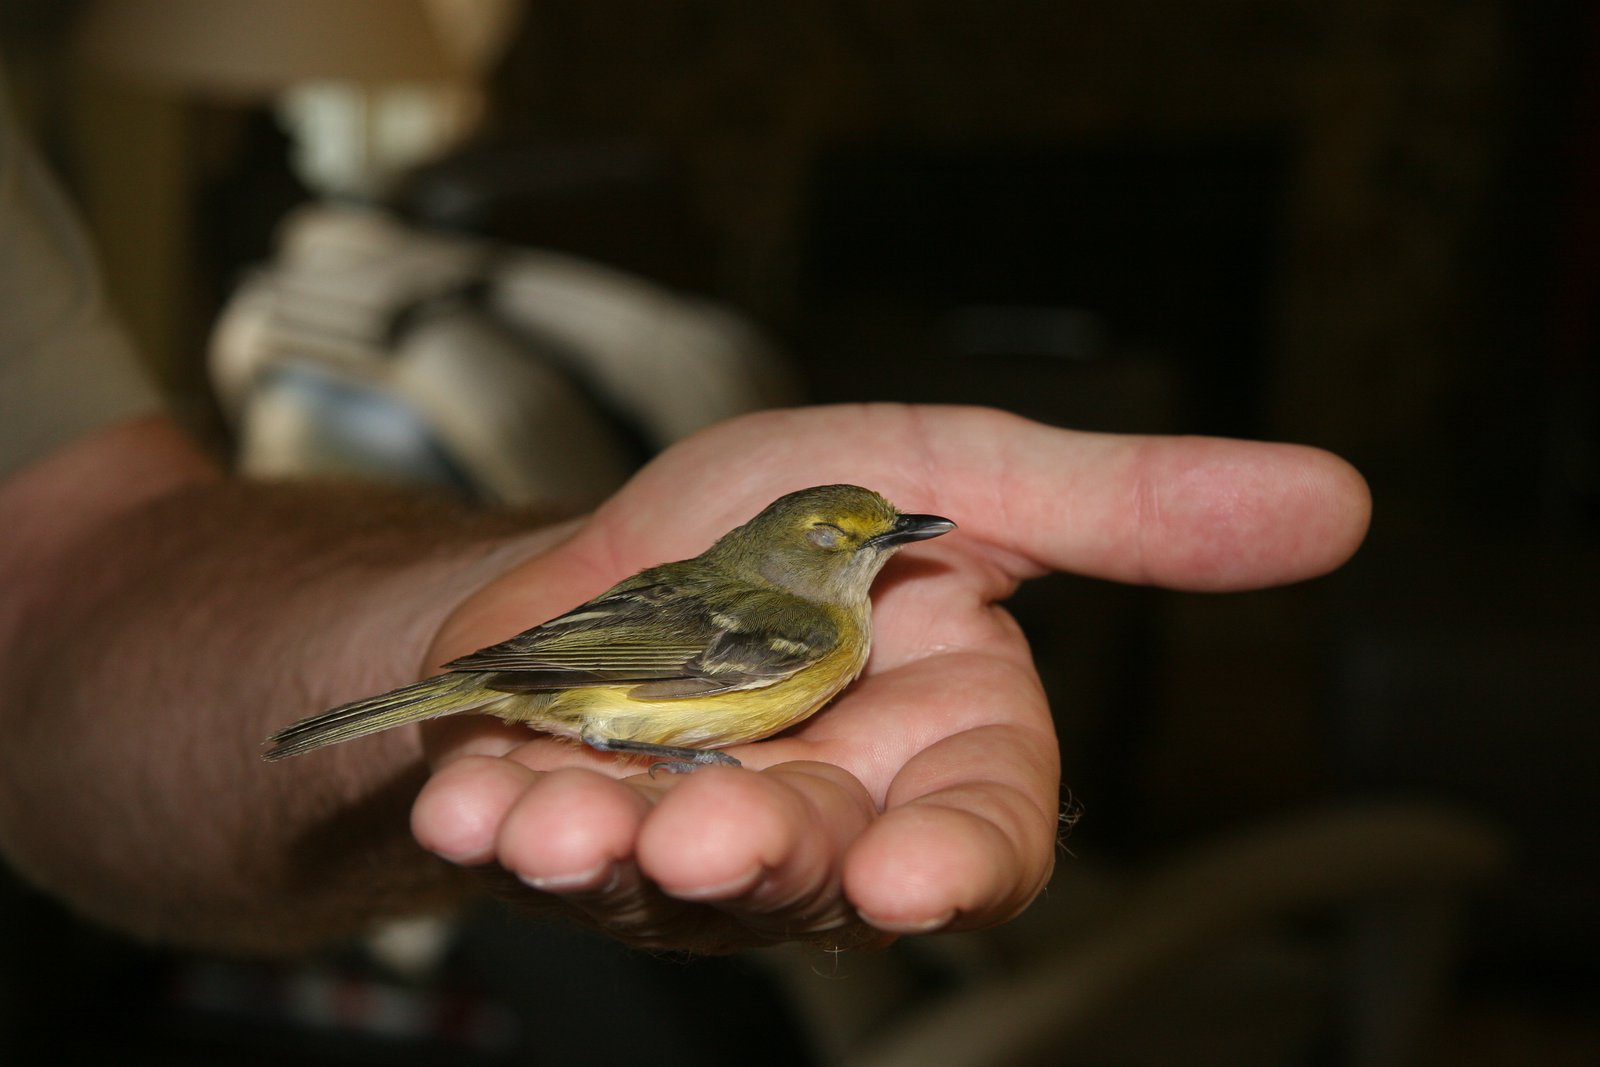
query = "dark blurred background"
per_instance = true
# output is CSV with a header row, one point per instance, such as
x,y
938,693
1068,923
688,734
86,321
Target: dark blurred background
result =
x,y
1368,226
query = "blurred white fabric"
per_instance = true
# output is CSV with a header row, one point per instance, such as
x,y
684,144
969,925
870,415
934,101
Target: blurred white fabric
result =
x,y
371,348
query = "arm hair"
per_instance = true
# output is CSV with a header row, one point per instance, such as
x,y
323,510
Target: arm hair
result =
x,y
159,621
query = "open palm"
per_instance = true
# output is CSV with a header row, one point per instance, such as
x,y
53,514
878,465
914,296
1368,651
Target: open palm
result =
x,y
927,796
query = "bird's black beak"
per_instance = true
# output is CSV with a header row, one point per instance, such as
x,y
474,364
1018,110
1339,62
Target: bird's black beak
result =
x,y
908,528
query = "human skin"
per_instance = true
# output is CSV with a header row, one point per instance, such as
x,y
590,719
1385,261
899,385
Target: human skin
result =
x,y
925,798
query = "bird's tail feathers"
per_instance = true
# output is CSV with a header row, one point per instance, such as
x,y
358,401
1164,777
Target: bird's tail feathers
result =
x,y
443,694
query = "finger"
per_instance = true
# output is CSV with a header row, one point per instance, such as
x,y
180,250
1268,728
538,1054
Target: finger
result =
x,y
555,841
764,848
458,813
1187,512
968,832
966,854
554,830
570,834
572,831
558,842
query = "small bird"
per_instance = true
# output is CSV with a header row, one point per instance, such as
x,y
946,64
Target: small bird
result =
x,y
680,660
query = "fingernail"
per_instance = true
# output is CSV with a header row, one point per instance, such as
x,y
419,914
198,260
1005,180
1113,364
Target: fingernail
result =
x,y
474,858
733,887
600,878
908,926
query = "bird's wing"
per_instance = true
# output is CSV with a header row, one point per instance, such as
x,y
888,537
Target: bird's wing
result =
x,y
667,641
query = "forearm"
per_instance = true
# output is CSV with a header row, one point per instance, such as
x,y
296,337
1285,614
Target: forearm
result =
x,y
160,621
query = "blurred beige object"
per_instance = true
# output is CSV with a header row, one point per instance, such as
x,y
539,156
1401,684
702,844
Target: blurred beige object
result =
x,y
369,88
369,347
669,363
254,48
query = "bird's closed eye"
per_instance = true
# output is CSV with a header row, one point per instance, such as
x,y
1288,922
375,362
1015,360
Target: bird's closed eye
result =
x,y
825,535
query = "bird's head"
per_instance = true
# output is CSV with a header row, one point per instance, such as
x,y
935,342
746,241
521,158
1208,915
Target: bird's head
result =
x,y
826,543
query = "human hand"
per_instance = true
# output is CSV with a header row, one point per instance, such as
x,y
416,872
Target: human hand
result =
x,y
924,798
